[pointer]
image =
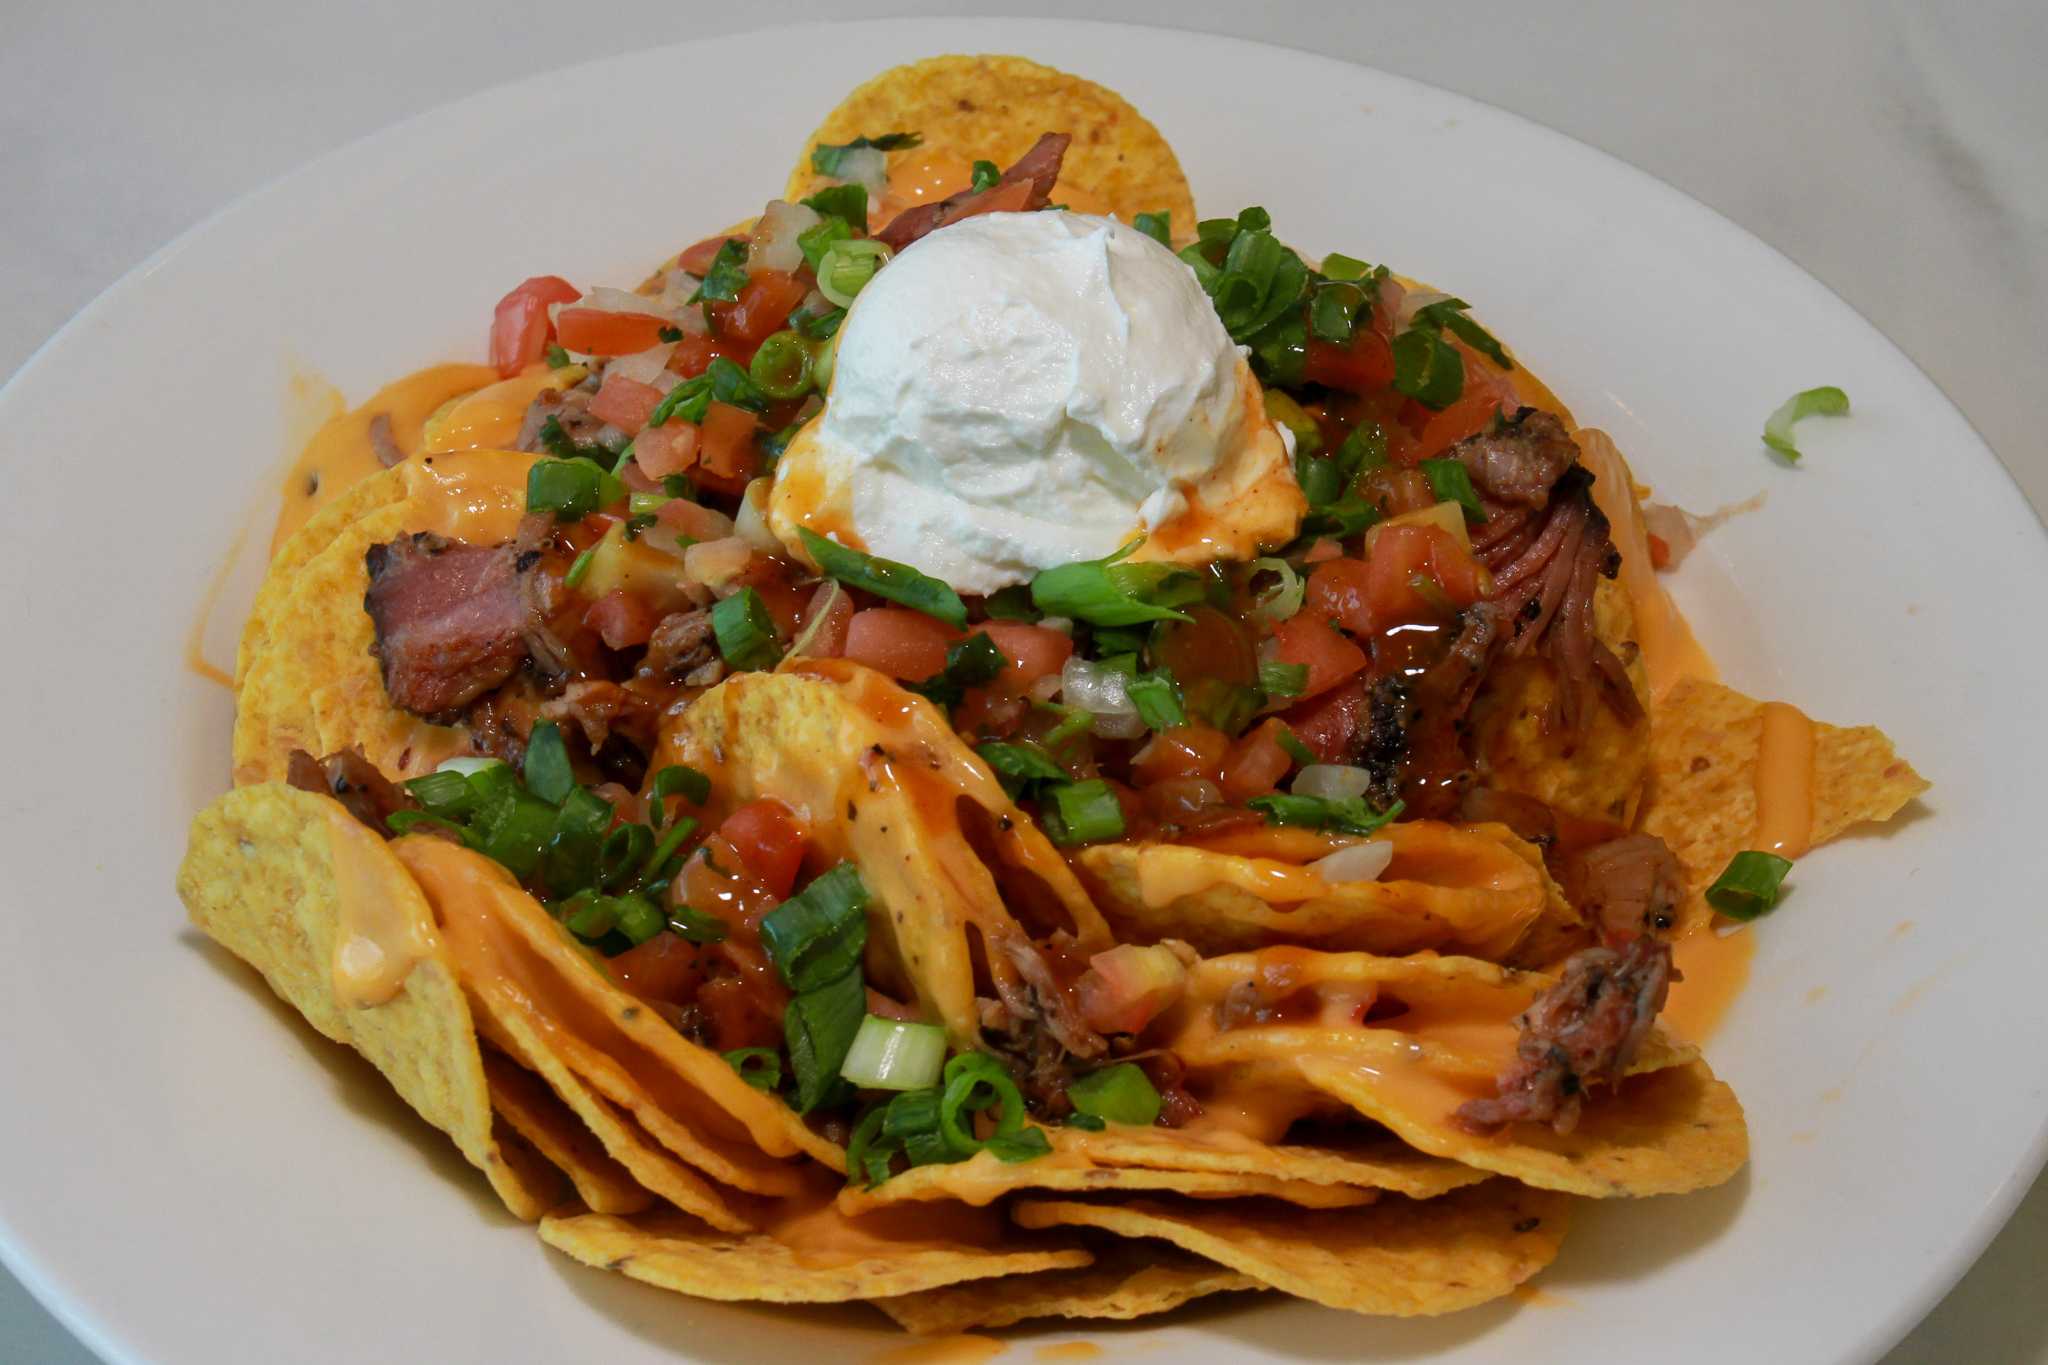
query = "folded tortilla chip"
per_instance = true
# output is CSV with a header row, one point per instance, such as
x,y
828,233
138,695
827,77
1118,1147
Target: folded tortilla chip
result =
x,y
992,108
524,1102
1127,1281
1398,1257
336,515
277,876
810,1253
877,775
1473,889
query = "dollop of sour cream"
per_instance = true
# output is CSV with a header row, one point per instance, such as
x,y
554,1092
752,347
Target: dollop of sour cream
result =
x,y
1023,390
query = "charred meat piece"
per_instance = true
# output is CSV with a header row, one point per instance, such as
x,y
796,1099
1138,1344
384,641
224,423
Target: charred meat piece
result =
x,y
1414,740
1026,185
681,644
451,620
350,778
570,410
1628,886
1520,460
1582,1032
604,710
1035,1025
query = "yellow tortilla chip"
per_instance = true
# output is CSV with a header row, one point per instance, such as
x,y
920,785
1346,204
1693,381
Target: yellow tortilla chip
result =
x,y
992,108
1473,889
984,1178
1405,1042
1376,1163
1127,1281
1703,789
525,1104
301,548
260,878
878,776
813,1254
1596,772
1399,1257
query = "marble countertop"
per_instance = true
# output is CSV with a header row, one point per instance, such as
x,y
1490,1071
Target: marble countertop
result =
x,y
1892,148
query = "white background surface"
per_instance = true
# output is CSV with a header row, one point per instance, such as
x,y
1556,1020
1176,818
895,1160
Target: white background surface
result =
x,y
1893,154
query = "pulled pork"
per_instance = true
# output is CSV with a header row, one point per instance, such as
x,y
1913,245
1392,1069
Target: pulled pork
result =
x,y
1026,185
450,620
1628,886
1035,1025
350,778
1582,1032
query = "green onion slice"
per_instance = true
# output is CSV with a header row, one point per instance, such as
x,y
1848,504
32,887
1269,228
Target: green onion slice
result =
x,y
1450,481
819,1026
1284,598
547,772
1117,1094
727,275
1427,368
1157,697
745,631
1081,813
846,267
781,368
760,1067
1826,401
819,933
1157,226
826,156
886,578
889,1054
1107,592
1750,885
1351,815
1278,679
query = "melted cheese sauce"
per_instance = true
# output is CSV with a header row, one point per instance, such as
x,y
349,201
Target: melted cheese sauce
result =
x,y
376,943
341,453
965,1349
477,496
1784,782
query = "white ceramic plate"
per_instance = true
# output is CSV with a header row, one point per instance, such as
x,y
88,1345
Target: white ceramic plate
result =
x,y
188,1174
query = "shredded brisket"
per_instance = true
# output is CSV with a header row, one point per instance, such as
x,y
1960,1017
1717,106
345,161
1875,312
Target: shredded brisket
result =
x,y
1026,185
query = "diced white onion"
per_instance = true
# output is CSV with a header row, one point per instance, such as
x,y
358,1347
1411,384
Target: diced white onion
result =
x,y
774,245
889,1054
1063,624
1414,302
750,525
716,562
1095,689
1119,726
467,764
1331,781
1047,687
1357,863
643,367
868,166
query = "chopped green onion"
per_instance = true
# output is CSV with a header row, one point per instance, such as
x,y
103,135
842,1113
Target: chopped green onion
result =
x,y
1749,885
781,368
406,821
556,442
818,934
1450,314
760,1067
985,176
1019,765
1350,816
745,631
1105,592
680,779
727,275
1081,813
1281,601
1157,697
558,359
826,156
1338,266
639,918
1333,311
645,504
695,926
1087,1123
819,1026
669,334
687,401
733,385
1118,1094
1827,401
469,764
886,578
975,660
571,489
974,1082
1308,437
1450,481
820,327
443,793
579,570
1278,679
547,771
1291,745
848,203
671,840
1157,226
888,1054
846,267
593,918
622,854
1427,368
1028,1145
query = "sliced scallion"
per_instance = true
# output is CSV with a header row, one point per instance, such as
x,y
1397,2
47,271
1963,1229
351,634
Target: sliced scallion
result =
x,y
890,1054
1826,401
1750,885
1117,1094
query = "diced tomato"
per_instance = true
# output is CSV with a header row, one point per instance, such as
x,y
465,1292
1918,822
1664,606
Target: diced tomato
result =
x,y
904,644
768,840
763,307
1469,416
1328,724
1660,551
1182,751
694,519
1326,547
786,602
1255,764
520,327
665,968
622,619
1363,366
697,259
693,354
1033,651
599,331
1305,639
1009,198
740,1011
1337,591
726,457
1365,598
830,640
1210,644
670,448
1128,986
625,403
